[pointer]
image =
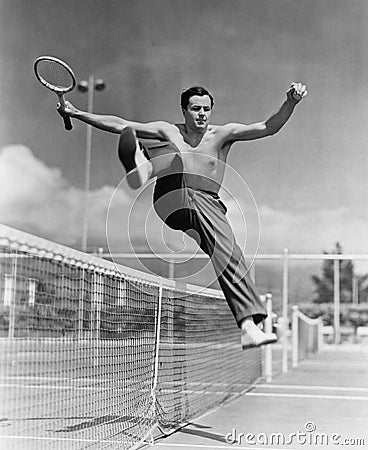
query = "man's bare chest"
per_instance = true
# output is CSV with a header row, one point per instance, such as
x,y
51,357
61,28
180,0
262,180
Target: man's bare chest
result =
x,y
209,145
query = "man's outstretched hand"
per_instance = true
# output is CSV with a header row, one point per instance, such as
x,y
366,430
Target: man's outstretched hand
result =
x,y
296,92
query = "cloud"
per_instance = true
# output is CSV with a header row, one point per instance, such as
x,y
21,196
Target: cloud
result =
x,y
315,230
38,199
310,231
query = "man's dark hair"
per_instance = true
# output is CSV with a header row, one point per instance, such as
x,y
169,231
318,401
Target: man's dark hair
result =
x,y
194,90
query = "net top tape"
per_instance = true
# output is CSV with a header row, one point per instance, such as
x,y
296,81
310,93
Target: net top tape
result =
x,y
21,241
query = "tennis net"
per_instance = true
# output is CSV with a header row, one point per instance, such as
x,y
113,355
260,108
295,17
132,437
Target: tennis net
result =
x,y
98,356
306,336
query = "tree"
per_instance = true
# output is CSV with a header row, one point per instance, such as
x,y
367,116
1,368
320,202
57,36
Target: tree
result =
x,y
324,285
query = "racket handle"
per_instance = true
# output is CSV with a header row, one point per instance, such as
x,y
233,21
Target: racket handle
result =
x,y
68,123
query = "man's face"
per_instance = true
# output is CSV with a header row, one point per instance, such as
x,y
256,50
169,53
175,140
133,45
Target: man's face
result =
x,y
198,112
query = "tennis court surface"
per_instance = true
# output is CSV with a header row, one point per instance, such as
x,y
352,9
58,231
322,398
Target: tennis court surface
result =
x,y
322,404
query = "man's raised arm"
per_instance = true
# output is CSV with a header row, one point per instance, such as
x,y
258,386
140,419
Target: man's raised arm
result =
x,y
114,124
242,132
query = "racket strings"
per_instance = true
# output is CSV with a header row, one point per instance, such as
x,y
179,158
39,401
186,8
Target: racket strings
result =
x,y
55,74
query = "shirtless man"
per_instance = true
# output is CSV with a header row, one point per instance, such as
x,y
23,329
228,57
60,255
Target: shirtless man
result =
x,y
188,160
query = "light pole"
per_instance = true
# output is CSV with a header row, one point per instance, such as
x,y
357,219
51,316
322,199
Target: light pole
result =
x,y
88,86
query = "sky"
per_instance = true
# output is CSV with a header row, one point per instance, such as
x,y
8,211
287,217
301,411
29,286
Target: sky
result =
x,y
304,188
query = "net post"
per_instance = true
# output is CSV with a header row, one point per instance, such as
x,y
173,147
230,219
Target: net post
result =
x,y
320,335
285,301
355,290
337,332
310,348
268,329
295,337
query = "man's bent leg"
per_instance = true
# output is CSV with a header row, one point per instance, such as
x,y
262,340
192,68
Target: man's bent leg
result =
x,y
147,158
136,164
162,155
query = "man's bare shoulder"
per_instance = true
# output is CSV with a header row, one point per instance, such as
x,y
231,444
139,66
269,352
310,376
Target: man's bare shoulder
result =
x,y
166,129
219,128
225,128
164,125
222,131
232,132
172,127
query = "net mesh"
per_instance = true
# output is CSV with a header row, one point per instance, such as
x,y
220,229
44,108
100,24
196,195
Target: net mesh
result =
x,y
55,74
96,356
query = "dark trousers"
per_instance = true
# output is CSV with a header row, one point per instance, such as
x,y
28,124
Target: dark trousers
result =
x,y
202,215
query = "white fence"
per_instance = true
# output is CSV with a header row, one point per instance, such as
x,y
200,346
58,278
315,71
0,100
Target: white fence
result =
x,y
285,260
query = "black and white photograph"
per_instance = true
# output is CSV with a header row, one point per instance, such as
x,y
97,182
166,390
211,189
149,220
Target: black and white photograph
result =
x,y
183,224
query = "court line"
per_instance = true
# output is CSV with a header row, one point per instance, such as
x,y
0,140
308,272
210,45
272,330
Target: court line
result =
x,y
310,396
159,444
45,438
312,388
212,447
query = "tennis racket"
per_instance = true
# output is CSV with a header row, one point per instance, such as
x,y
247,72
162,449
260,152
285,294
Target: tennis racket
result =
x,y
57,76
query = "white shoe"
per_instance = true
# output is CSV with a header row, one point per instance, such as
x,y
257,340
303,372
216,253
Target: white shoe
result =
x,y
137,166
252,336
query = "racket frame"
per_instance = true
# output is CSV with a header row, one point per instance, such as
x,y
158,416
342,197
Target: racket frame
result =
x,y
58,90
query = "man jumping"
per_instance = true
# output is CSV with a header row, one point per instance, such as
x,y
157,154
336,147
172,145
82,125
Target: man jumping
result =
x,y
188,160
